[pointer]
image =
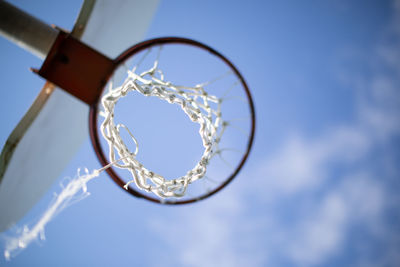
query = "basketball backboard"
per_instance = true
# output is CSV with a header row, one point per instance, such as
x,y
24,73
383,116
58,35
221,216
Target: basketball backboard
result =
x,y
47,136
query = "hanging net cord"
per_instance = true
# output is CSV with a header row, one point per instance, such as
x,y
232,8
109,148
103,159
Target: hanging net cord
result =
x,y
199,106
73,190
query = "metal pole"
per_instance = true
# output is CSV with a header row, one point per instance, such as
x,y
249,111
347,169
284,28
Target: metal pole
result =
x,y
25,30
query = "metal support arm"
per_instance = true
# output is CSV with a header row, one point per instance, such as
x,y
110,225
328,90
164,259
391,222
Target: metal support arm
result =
x,y
26,31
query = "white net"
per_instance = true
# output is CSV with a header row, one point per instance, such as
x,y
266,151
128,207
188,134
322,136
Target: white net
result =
x,y
201,108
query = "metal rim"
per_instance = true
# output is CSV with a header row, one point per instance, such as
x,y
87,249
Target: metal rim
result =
x,y
93,119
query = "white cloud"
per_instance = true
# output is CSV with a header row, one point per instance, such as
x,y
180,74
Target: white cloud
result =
x,y
301,164
358,199
317,238
209,235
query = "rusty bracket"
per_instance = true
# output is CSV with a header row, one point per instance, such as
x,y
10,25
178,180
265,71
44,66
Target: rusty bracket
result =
x,y
77,68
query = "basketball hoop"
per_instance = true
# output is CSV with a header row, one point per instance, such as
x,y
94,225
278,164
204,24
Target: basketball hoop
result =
x,y
69,60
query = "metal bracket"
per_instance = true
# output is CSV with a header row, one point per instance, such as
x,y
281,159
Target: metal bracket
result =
x,y
77,68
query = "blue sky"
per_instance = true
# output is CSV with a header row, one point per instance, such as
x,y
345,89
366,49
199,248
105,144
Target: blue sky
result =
x,y
320,187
